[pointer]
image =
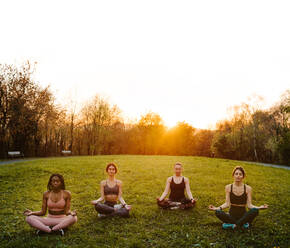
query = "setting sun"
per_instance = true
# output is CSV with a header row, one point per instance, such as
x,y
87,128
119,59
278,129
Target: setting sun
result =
x,y
152,123
185,64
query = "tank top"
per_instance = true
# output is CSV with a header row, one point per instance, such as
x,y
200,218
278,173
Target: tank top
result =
x,y
111,190
238,211
238,199
177,190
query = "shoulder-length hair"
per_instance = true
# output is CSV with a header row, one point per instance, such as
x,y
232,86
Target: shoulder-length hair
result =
x,y
111,164
49,187
239,168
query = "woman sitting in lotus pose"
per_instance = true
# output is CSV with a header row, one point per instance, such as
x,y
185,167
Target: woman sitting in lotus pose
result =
x,y
57,200
177,184
111,191
238,196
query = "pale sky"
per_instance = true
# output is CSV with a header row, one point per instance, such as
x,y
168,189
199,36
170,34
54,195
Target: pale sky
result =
x,y
186,60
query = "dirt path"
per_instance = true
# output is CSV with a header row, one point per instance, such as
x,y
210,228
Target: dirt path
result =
x,y
269,165
16,161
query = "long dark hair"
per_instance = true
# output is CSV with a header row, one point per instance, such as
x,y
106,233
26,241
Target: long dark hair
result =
x,y
62,186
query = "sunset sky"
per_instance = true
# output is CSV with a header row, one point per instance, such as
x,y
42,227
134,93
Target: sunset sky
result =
x,y
186,60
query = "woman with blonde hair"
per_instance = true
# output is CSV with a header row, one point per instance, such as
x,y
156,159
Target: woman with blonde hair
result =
x,y
177,185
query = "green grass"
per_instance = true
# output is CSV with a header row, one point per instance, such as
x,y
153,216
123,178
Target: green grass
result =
x,y
22,185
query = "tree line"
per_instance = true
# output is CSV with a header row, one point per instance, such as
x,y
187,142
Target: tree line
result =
x,y
31,122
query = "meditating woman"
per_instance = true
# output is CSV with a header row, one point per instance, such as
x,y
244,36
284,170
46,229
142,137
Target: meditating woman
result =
x,y
57,200
176,184
111,192
238,196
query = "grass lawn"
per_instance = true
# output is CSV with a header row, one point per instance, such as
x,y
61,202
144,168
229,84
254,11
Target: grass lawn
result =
x,y
22,185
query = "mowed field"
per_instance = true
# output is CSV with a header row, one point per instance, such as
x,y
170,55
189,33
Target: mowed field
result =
x,y
22,185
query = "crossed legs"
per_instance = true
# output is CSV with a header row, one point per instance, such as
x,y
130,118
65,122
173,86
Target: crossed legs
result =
x,y
44,223
248,217
108,210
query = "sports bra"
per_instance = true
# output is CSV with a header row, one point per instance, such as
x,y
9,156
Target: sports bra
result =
x,y
111,190
56,206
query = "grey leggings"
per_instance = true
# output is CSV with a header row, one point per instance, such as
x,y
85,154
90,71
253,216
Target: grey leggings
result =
x,y
108,209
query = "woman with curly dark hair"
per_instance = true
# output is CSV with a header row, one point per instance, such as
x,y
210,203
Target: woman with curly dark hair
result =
x,y
57,200
111,192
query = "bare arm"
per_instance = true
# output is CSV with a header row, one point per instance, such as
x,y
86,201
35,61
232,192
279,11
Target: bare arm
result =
x,y
120,194
102,194
249,200
166,191
42,212
227,202
187,188
67,203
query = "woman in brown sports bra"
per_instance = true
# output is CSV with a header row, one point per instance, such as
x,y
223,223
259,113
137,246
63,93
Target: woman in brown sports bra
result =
x,y
238,197
57,200
111,192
